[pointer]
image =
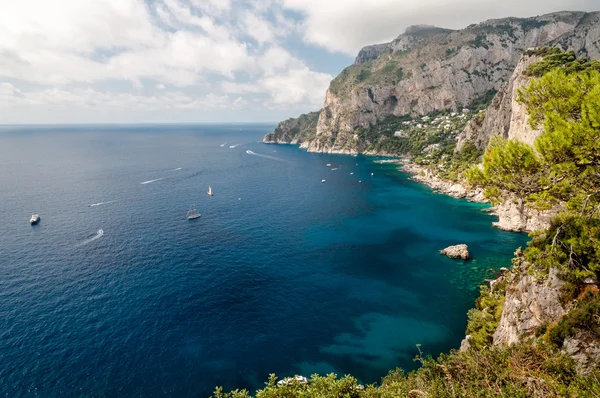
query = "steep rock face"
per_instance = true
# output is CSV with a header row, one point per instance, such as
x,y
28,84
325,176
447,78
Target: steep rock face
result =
x,y
529,304
585,40
294,130
432,69
506,116
428,69
369,53
584,348
514,216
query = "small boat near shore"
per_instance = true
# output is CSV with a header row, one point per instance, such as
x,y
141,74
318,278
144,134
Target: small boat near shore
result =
x,y
35,218
210,192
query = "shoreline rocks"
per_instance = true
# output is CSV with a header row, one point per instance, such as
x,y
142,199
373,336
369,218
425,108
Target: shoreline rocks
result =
x,y
458,251
457,190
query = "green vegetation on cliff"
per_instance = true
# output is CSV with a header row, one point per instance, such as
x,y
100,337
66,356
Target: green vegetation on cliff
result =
x,y
296,130
562,169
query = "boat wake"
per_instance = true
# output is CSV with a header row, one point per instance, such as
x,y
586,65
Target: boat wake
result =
x,y
177,169
249,152
151,181
101,203
223,144
99,234
233,146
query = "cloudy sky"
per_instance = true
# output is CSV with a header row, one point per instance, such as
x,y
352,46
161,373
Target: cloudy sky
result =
x,y
114,61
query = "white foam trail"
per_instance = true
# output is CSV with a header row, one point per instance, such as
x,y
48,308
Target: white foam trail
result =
x,y
249,152
336,168
101,203
177,169
233,146
223,144
99,234
151,181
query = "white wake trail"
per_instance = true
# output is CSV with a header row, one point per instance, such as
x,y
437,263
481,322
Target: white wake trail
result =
x,y
99,234
233,146
249,152
101,203
151,181
223,144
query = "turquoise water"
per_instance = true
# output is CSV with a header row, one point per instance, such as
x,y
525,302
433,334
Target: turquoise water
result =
x,y
281,274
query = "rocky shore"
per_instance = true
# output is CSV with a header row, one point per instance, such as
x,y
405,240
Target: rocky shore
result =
x,y
425,176
512,214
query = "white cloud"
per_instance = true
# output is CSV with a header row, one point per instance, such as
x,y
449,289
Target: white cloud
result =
x,y
181,43
286,79
348,25
10,95
79,26
257,28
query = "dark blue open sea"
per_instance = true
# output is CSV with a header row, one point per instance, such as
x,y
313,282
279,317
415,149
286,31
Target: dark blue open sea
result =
x,y
282,273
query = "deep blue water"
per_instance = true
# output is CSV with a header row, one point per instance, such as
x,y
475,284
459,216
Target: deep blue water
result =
x,y
281,273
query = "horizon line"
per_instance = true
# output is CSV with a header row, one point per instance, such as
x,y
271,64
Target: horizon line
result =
x,y
125,123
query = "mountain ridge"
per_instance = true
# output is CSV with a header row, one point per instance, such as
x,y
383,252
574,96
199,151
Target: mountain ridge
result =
x,y
414,75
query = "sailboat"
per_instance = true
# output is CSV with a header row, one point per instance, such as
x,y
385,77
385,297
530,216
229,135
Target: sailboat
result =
x,y
210,193
193,213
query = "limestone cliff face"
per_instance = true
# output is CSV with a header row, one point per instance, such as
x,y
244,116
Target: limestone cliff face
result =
x,y
532,302
514,216
428,69
529,304
505,116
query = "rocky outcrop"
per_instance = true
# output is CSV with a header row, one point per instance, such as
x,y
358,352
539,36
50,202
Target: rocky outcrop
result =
x,y
455,189
370,53
584,348
294,130
457,251
506,116
512,214
515,216
530,303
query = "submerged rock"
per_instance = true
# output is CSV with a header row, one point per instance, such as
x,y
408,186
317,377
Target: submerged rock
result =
x,y
458,251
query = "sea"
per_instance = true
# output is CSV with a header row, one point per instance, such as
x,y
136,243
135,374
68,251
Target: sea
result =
x,y
114,293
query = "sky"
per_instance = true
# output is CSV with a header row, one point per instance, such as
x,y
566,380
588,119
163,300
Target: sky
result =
x,y
166,61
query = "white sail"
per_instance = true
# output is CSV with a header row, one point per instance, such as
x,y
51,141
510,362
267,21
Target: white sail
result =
x,y
210,192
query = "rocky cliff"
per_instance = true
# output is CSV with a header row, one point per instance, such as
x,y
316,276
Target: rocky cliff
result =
x,y
505,116
533,303
428,69
294,130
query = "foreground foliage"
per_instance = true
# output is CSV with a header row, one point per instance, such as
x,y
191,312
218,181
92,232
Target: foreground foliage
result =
x,y
519,371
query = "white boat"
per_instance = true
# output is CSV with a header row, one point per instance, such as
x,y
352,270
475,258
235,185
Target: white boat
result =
x,y
34,219
328,164
322,180
210,192
193,213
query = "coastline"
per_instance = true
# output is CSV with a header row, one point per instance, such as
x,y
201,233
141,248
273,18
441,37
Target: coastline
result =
x,y
457,190
512,216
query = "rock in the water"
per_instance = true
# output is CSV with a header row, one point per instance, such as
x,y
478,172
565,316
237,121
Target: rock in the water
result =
x,y
458,251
